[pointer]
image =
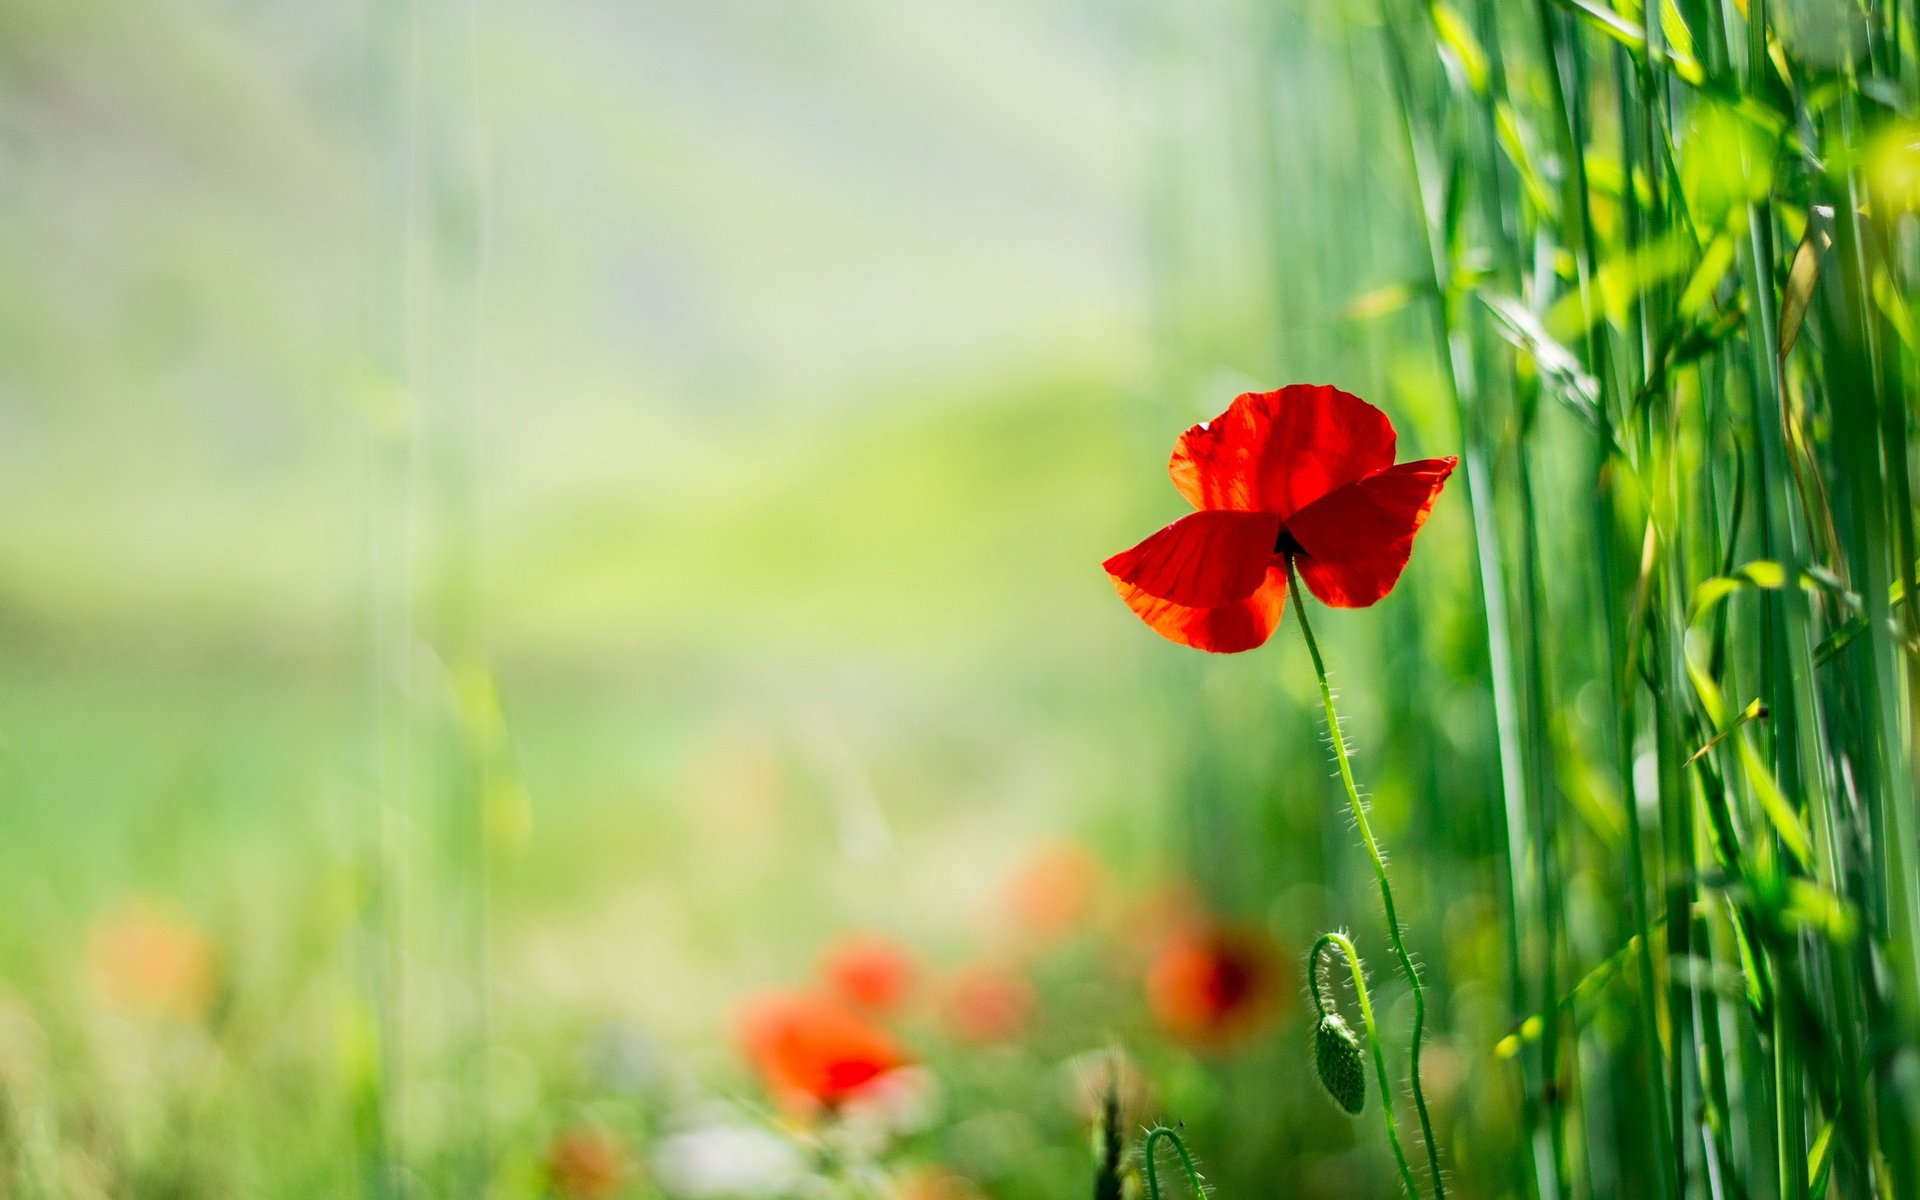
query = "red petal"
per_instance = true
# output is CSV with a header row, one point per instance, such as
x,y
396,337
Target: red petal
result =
x,y
1201,560
1221,628
812,1051
1357,540
1280,451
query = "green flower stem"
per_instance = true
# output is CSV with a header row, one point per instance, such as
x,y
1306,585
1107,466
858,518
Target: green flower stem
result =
x,y
1380,873
1159,1133
1373,1040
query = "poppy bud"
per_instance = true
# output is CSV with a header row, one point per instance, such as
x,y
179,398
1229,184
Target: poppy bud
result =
x,y
1336,1058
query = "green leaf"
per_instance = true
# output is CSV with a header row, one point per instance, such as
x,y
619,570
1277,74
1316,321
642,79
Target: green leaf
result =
x,y
1674,27
1752,968
1814,907
1619,282
1707,276
1752,712
1766,789
1517,324
1820,1163
1634,37
1458,39
1587,989
1764,574
1856,625
1894,306
1511,134
1726,164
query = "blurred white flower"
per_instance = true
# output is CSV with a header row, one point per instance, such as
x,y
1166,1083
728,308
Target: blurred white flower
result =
x,y
726,1161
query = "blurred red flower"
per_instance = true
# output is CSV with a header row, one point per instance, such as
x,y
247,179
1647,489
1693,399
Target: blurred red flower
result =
x,y
1214,985
814,1052
1051,893
986,1004
1306,471
868,970
584,1164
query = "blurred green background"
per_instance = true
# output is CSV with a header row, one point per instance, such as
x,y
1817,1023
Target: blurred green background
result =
x,y
526,519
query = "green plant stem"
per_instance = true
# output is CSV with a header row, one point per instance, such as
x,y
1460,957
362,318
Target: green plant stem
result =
x,y
1320,1004
1161,1133
1365,827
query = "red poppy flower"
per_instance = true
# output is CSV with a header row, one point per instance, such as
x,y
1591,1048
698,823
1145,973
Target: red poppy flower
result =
x,y
867,970
814,1052
1306,471
1213,985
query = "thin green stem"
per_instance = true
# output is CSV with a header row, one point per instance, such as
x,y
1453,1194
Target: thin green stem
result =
x,y
1359,976
1365,827
1162,1133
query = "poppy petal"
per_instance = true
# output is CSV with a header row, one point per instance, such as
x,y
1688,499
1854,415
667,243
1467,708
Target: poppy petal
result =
x,y
1356,541
1201,560
1280,451
1221,628
814,1052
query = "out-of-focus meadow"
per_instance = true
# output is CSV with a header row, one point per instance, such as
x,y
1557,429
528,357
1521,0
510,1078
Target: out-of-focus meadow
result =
x,y
526,522
552,640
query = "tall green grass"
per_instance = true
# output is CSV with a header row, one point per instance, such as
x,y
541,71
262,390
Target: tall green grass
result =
x,y
1648,268
1659,260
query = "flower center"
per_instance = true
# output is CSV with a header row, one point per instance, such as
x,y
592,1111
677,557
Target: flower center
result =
x,y
1285,545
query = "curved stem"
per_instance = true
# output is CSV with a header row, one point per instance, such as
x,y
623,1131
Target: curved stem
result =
x,y
1373,1041
1186,1160
1379,872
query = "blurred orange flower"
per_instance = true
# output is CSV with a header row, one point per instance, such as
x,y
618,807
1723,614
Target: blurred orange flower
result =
x,y
814,1052
1213,985
985,1003
868,970
585,1164
147,961
1052,893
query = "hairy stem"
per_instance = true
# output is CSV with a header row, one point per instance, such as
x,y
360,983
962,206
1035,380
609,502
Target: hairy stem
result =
x,y
1161,1133
1380,873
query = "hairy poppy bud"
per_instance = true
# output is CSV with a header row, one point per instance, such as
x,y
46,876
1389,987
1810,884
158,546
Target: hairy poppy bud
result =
x,y
1336,1057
